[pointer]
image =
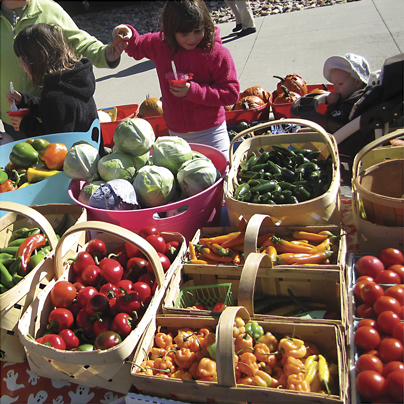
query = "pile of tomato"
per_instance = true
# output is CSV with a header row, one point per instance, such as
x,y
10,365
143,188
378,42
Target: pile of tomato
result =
x,y
379,334
107,296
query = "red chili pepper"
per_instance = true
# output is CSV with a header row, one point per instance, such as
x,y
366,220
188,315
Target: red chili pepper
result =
x,y
97,249
8,185
26,249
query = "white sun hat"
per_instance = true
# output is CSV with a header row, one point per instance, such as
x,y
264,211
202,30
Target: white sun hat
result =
x,y
351,63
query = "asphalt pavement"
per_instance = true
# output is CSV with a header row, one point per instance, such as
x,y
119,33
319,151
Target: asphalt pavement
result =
x,y
297,42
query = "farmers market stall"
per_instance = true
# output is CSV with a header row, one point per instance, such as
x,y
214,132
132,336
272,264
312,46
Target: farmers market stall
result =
x,y
162,271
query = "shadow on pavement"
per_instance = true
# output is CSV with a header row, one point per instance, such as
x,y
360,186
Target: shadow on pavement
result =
x,y
138,68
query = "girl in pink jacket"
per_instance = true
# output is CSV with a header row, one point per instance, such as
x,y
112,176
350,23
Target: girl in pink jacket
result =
x,y
193,110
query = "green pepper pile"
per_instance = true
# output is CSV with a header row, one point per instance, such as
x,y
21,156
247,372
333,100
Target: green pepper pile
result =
x,y
283,176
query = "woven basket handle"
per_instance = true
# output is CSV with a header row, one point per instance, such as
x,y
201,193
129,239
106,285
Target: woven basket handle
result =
x,y
370,146
144,246
302,122
225,345
34,215
252,232
248,277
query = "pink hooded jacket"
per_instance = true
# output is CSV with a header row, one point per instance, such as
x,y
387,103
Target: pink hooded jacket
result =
x,y
214,84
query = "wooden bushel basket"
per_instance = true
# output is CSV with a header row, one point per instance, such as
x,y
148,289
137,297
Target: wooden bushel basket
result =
x,y
326,337
103,368
324,209
377,195
16,300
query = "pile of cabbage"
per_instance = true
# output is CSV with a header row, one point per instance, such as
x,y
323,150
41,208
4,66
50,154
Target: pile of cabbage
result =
x,y
141,171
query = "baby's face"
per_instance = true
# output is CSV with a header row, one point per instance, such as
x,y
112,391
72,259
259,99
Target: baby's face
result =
x,y
344,83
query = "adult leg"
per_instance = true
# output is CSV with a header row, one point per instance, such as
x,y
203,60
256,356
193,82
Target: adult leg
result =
x,y
237,15
245,11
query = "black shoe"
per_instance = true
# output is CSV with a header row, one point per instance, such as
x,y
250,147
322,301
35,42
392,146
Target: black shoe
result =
x,y
237,28
247,31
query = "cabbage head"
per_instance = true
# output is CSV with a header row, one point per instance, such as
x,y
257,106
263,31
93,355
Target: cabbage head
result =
x,y
81,162
134,136
195,176
154,186
116,166
138,161
171,152
88,190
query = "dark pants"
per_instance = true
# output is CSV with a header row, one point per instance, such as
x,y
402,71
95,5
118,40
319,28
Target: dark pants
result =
x,y
13,133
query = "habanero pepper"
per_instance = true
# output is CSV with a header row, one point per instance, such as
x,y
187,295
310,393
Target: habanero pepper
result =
x,y
26,249
206,367
292,365
184,357
182,374
263,379
292,347
244,342
248,364
163,340
238,326
297,382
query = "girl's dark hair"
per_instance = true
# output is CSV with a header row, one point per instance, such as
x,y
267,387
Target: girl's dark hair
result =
x,y
185,16
44,50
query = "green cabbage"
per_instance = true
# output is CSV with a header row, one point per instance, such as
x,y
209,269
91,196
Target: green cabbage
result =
x,y
195,176
134,136
171,152
154,186
116,166
81,162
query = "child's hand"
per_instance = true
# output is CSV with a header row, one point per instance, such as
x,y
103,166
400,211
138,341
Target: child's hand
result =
x,y
180,90
122,30
16,121
14,96
333,98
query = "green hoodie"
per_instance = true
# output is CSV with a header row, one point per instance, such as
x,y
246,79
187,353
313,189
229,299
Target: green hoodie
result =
x,y
49,12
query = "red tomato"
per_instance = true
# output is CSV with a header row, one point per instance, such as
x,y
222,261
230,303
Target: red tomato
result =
x,y
82,259
392,367
144,291
59,319
157,242
396,291
358,288
391,256
122,324
367,322
398,332
365,310
62,294
387,277
91,275
370,384
111,270
219,306
395,385
390,349
53,340
369,362
148,231
364,278
371,292
70,338
366,338
399,270
369,265
107,339
401,313
387,320
384,303
85,294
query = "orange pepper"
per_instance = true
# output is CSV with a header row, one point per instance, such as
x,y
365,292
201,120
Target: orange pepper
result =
x,y
234,241
247,380
193,370
145,368
248,364
262,352
162,340
157,353
263,379
207,339
54,155
184,357
192,252
293,366
222,238
304,235
238,326
243,343
263,238
292,347
181,374
269,340
302,258
164,365
325,245
207,253
206,367
311,349
188,339
7,186
288,247
212,378
297,382
271,251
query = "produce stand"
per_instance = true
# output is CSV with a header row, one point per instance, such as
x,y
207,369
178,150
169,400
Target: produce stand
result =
x,y
58,376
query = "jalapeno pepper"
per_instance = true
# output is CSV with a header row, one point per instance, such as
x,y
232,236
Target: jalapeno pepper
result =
x,y
6,278
24,155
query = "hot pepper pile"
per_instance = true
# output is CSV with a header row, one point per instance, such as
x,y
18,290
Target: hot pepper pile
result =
x,y
283,176
32,161
106,297
301,247
260,358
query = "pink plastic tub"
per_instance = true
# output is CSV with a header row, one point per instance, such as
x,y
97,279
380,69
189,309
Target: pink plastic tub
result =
x,y
201,210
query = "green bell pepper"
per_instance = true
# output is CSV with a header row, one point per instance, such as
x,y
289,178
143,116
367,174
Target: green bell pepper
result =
x,y
38,144
253,329
24,155
3,176
212,350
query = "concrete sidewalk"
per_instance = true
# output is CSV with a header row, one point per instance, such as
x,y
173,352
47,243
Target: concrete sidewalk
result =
x,y
297,42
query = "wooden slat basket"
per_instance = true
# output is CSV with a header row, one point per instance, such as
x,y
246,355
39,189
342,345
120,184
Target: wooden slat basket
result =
x,y
16,300
377,195
326,337
104,368
324,209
